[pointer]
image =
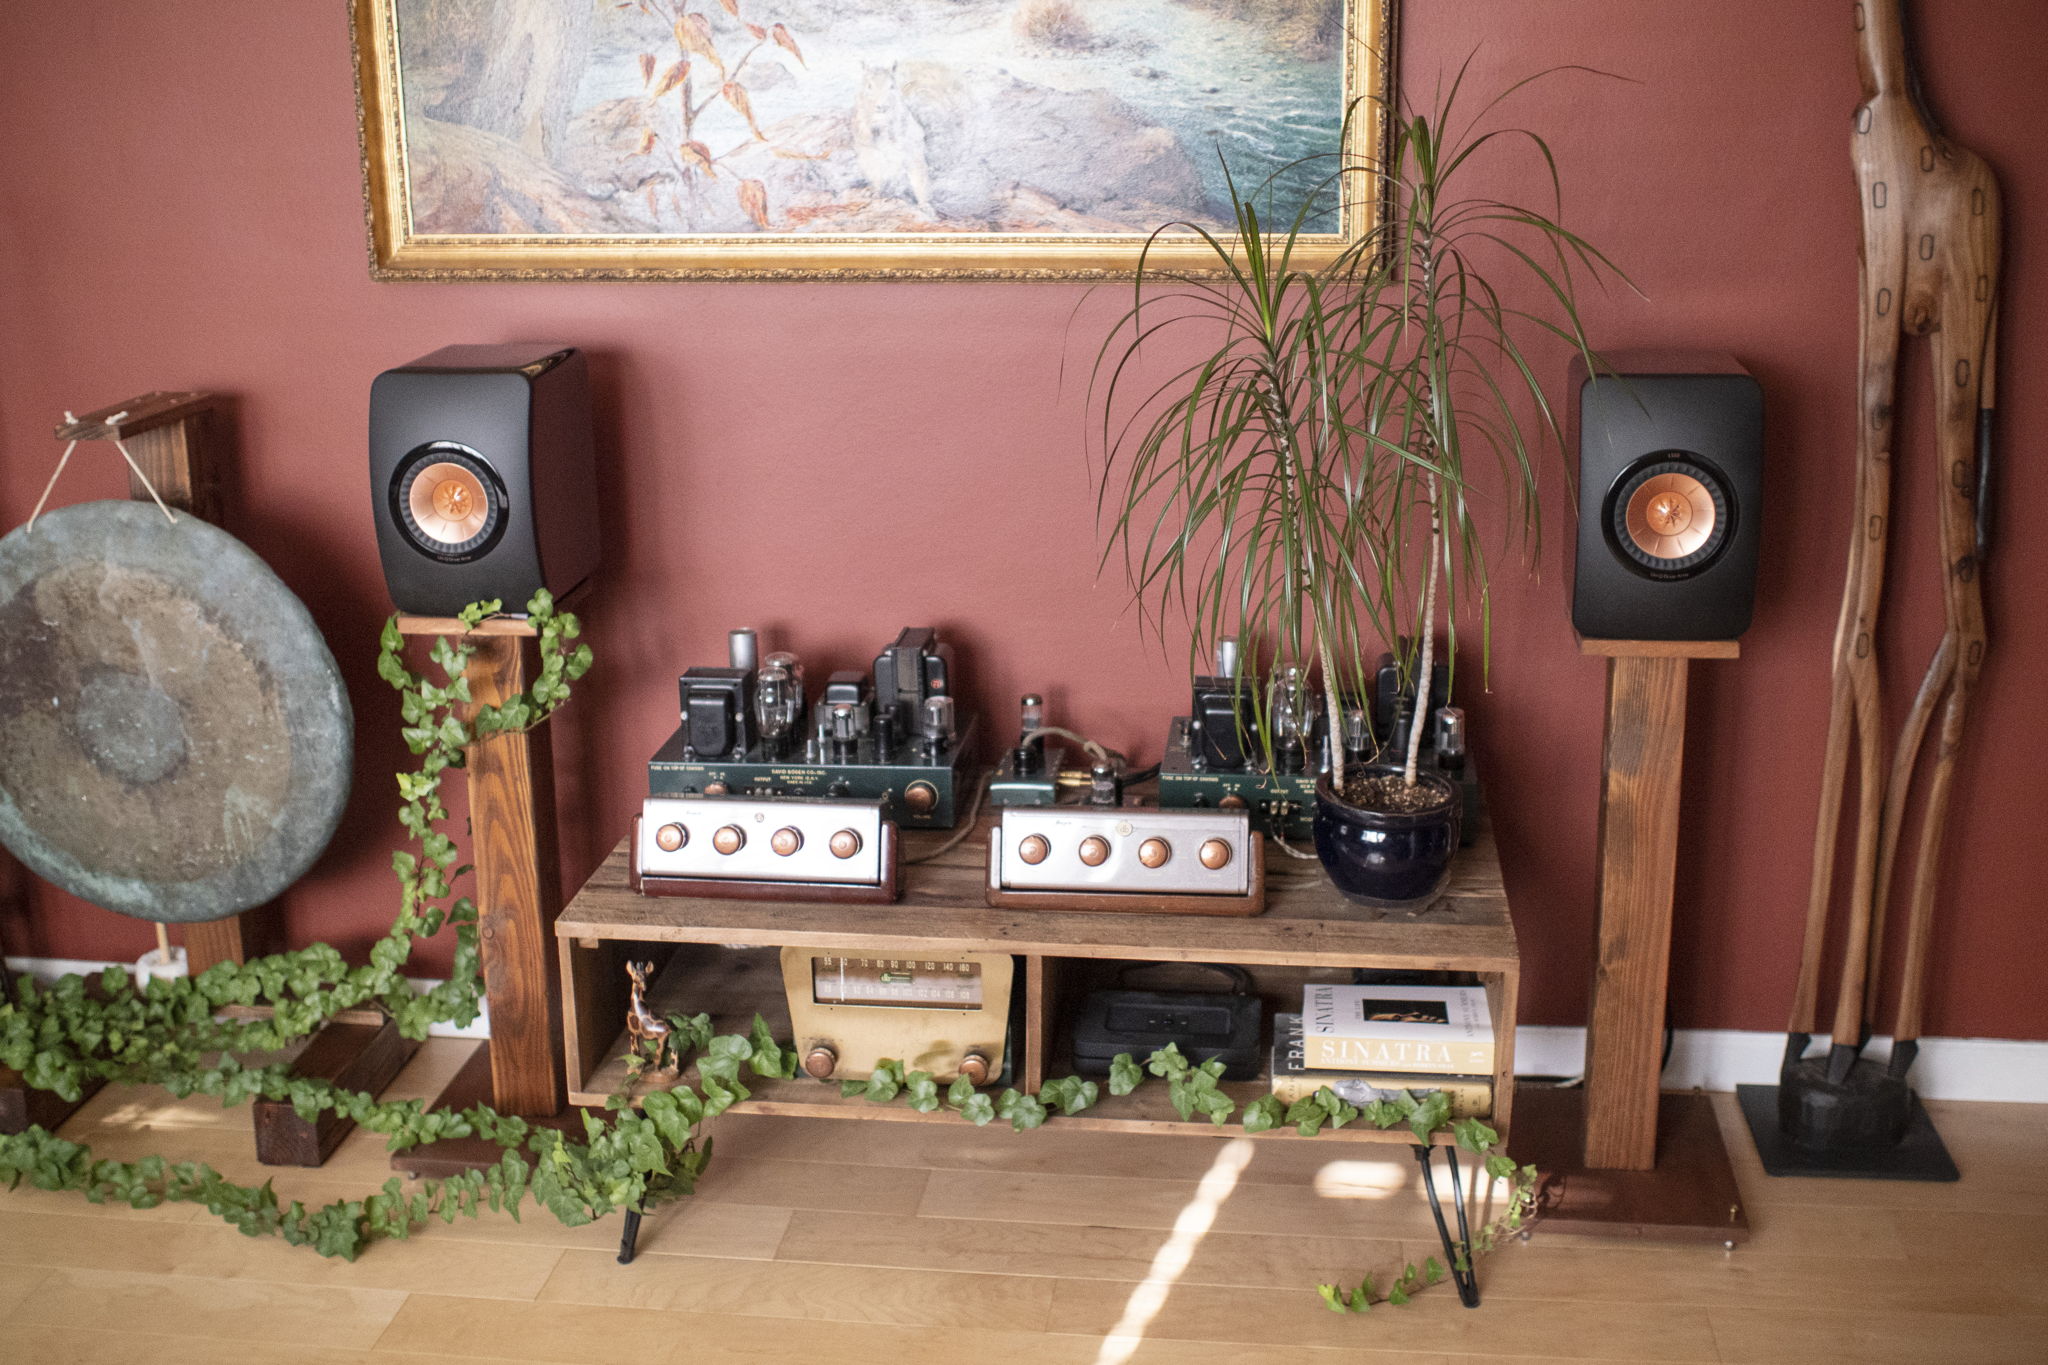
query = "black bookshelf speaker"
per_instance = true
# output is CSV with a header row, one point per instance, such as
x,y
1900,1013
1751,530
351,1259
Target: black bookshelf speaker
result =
x,y
482,475
1670,485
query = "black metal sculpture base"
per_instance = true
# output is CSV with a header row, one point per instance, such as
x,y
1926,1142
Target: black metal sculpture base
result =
x,y
1919,1154
1458,1254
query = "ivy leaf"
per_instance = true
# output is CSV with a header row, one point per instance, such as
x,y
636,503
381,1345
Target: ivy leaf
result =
x,y
1124,1075
1263,1113
1430,1114
1333,1298
1474,1136
979,1110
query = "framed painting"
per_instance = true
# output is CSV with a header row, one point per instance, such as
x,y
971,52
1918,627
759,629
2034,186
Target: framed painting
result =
x,y
858,139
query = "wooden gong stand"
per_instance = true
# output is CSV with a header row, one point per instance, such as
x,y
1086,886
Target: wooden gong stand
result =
x,y
176,440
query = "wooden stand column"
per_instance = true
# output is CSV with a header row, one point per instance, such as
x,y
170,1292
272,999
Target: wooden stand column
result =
x,y
1622,1158
518,896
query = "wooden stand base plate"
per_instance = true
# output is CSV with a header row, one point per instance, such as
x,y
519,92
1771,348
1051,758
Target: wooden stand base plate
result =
x,y
365,1057
1920,1155
452,1156
1690,1195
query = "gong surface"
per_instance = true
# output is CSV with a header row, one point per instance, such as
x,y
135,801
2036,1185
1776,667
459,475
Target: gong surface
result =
x,y
175,740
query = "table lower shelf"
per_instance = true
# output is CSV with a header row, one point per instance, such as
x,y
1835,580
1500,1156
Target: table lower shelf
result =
x,y
732,984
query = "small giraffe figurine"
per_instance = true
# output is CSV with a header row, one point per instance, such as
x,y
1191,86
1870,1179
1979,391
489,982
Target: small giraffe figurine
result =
x,y
642,1025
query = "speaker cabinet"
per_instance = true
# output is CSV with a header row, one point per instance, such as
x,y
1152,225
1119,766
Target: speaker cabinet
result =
x,y
482,476
1670,482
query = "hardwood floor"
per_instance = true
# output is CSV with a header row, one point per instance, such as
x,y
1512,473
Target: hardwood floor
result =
x,y
820,1241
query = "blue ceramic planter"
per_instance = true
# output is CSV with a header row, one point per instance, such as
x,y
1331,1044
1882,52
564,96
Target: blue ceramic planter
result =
x,y
1388,860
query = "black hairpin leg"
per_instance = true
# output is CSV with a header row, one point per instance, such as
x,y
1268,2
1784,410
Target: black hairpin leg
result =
x,y
1457,1255
629,1237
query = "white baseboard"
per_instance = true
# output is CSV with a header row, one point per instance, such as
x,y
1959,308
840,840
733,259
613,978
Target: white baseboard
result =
x,y
1721,1059
1706,1059
50,968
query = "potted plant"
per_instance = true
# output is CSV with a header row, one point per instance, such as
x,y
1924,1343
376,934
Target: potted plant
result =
x,y
1306,481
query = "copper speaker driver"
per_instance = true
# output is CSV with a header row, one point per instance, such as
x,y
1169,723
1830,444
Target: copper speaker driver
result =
x,y
449,503
1670,516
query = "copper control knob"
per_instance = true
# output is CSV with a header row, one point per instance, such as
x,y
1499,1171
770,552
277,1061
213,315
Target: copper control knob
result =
x,y
1033,848
729,839
1095,850
715,789
1231,802
1215,854
669,838
820,1062
786,840
974,1067
920,797
844,844
1154,852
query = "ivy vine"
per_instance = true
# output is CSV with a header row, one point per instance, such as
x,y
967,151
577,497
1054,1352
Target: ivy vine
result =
x,y
639,1154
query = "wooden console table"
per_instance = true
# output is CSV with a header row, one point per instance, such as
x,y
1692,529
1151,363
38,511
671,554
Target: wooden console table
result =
x,y
1307,933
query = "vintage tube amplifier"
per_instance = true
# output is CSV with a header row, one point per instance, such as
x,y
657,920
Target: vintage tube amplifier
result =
x,y
850,1009
765,849
1127,859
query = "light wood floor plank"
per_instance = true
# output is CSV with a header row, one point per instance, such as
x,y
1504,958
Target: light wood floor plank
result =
x,y
1786,1336
226,1310
1116,1201
1058,1249
570,1332
1434,1321
779,1289
214,1250
81,1344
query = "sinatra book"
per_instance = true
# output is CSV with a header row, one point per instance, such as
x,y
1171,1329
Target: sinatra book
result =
x,y
1439,1030
1471,1097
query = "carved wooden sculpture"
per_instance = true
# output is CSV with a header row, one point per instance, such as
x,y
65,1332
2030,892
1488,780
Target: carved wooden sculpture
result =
x,y
1930,269
645,1027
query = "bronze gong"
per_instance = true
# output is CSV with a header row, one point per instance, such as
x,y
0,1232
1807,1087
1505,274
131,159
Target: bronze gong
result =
x,y
175,741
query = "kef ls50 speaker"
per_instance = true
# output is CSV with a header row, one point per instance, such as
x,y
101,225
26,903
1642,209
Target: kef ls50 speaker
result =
x,y
482,476
1670,481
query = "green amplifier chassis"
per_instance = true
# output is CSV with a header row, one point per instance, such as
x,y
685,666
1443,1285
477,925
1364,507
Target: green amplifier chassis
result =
x,y
1280,803
949,783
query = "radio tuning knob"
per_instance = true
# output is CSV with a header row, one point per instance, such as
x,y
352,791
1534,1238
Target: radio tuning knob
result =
x,y
786,840
844,844
729,839
920,797
669,838
1215,854
974,1067
1095,850
1154,852
821,1062
1033,848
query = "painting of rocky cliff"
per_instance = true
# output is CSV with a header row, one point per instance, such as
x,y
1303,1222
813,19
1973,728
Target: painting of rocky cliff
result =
x,y
665,119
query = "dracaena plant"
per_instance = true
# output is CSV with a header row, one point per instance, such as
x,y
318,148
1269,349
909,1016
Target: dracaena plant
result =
x,y
1306,479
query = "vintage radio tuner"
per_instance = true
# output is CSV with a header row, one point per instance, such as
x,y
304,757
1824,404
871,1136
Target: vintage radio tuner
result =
x,y
894,736
849,1010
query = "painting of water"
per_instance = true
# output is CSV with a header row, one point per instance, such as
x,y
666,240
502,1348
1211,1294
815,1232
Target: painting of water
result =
x,y
623,130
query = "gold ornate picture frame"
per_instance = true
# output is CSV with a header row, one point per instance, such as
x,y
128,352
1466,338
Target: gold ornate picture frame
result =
x,y
854,139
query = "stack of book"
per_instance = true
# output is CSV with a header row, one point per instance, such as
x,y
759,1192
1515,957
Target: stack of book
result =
x,y
1365,1042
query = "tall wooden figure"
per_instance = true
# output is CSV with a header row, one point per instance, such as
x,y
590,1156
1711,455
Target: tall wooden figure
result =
x,y
1931,231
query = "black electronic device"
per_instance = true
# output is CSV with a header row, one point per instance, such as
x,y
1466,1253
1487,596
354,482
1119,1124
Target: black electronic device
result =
x,y
896,737
482,476
1670,477
1202,1024
1029,773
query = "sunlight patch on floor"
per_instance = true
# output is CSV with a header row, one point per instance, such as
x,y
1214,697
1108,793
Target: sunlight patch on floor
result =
x,y
1364,1179
1196,1217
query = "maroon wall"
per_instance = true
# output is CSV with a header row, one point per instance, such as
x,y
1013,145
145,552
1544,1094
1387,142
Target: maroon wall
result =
x,y
182,208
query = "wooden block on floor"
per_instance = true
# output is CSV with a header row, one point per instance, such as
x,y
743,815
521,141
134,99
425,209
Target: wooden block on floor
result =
x,y
363,1057
22,1106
